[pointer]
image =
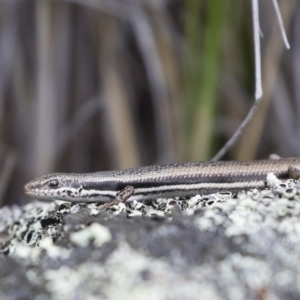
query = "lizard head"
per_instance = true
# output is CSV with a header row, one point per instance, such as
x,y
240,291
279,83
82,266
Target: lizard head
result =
x,y
58,186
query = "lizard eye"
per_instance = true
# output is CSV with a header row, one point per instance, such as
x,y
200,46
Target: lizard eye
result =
x,y
53,183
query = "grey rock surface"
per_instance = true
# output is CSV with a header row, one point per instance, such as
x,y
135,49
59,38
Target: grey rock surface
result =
x,y
210,247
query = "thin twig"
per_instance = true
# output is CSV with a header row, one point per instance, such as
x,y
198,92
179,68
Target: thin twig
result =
x,y
274,48
238,132
257,56
278,14
258,83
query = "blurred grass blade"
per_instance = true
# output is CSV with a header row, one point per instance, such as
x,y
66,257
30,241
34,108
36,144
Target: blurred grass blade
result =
x,y
167,46
82,116
120,127
204,89
145,40
8,45
10,160
46,107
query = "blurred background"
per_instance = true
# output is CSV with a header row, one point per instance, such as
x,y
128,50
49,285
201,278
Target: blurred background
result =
x,y
90,85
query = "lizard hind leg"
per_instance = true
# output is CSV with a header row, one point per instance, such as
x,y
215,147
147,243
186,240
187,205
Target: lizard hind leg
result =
x,y
121,197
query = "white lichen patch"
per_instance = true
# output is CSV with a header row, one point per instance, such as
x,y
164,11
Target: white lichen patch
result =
x,y
54,251
63,283
94,210
75,208
272,180
127,267
95,233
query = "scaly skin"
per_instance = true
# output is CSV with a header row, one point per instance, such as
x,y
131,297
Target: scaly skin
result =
x,y
179,179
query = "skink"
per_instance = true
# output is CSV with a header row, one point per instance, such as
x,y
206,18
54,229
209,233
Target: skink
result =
x,y
161,181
